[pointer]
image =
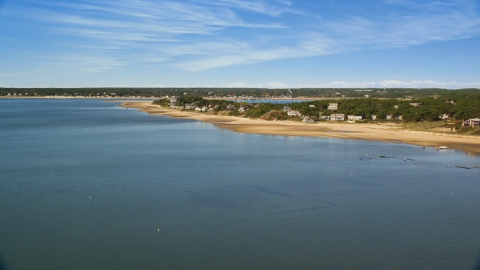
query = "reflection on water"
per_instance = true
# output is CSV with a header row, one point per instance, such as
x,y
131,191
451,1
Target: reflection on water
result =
x,y
85,184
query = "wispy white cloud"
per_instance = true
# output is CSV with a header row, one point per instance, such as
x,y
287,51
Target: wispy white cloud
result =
x,y
196,35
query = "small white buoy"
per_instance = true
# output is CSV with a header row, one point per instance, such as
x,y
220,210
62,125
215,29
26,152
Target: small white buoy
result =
x,y
158,230
90,198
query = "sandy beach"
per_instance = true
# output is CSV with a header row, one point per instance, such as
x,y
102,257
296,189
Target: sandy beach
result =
x,y
376,132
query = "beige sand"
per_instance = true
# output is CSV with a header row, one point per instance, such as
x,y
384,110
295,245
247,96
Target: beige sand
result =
x,y
376,132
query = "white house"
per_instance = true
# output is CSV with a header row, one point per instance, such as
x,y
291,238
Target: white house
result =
x,y
474,122
294,113
337,117
333,106
374,117
354,117
443,116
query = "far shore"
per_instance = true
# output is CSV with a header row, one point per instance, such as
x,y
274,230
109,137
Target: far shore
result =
x,y
374,132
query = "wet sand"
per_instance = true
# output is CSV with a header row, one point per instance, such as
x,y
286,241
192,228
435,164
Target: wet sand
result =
x,y
375,132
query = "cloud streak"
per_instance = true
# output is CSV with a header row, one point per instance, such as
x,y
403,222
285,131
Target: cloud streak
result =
x,y
196,35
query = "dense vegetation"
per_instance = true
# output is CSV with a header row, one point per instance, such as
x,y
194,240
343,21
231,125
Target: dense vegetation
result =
x,y
361,102
428,109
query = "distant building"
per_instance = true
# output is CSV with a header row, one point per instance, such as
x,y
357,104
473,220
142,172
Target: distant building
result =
x,y
374,117
443,116
294,113
333,106
286,109
474,122
415,104
173,99
354,117
337,117
230,107
389,117
307,119
312,106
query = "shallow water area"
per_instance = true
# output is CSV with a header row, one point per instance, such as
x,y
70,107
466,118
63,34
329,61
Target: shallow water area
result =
x,y
85,184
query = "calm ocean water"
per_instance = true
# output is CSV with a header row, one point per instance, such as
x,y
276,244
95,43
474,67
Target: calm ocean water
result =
x,y
85,184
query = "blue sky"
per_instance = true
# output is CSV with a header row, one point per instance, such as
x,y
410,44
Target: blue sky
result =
x,y
240,43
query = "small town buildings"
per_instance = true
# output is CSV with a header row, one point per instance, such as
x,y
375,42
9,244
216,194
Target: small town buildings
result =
x,y
451,102
337,117
204,108
173,99
389,117
374,117
312,106
395,106
323,117
286,109
294,113
242,109
474,122
198,109
333,106
415,104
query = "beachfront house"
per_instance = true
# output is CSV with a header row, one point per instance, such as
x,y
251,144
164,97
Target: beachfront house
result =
x,y
333,106
415,104
474,122
312,106
242,109
374,117
443,116
307,119
354,117
294,113
198,109
337,117
389,117
173,99
204,108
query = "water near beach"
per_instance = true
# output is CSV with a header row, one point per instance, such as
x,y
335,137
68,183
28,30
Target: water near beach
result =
x,y
85,184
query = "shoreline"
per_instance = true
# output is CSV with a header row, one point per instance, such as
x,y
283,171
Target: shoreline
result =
x,y
371,132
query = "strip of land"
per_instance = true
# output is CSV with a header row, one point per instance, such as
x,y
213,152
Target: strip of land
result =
x,y
375,132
